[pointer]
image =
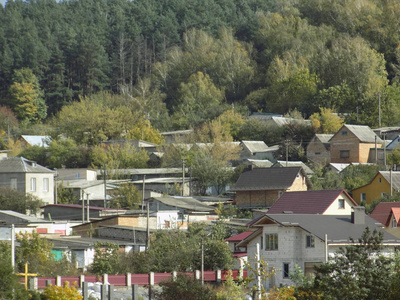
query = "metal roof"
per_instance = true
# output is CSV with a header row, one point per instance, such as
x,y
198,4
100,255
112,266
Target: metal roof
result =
x,y
266,179
282,163
255,146
395,178
37,140
24,218
307,202
364,133
187,203
21,165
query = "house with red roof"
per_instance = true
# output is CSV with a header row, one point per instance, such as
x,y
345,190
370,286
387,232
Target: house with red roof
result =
x,y
239,253
388,214
323,202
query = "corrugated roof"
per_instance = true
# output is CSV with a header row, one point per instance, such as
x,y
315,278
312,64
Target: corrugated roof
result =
x,y
266,179
282,163
307,202
395,178
239,237
255,146
260,163
21,165
324,138
25,218
185,203
339,229
382,211
364,133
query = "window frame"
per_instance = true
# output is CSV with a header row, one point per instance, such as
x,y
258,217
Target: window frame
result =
x,y
286,270
310,241
46,185
344,153
271,242
33,184
340,205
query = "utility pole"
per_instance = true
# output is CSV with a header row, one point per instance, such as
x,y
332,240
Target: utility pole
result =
x,y
87,212
384,149
105,186
183,176
376,150
287,151
143,190
147,227
379,109
13,247
202,261
55,179
83,206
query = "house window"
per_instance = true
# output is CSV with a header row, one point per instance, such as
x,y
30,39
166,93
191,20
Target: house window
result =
x,y
344,153
77,175
45,184
285,270
383,194
344,132
310,242
262,243
280,193
271,241
13,183
363,198
33,184
317,153
341,204
380,180
394,222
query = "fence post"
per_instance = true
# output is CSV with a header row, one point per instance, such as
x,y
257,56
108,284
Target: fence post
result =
x,y
85,291
33,283
81,280
151,283
103,292
197,274
58,280
128,279
174,275
105,278
135,292
48,283
219,276
110,291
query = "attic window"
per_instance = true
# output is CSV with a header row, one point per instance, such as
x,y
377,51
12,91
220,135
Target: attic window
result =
x,y
344,132
341,203
394,223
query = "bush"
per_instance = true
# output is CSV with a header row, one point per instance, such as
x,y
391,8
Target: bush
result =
x,y
65,292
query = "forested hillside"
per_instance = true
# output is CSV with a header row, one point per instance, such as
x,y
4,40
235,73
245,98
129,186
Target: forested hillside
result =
x,y
179,63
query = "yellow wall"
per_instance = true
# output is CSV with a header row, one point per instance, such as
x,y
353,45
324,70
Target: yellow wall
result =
x,y
373,190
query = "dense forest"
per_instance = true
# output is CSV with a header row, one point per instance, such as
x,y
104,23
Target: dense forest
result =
x,y
179,63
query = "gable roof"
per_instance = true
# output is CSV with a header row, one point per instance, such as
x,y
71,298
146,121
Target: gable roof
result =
x,y
395,178
282,163
37,140
239,237
255,146
364,133
267,179
21,165
396,213
394,143
382,212
22,218
307,202
339,229
324,138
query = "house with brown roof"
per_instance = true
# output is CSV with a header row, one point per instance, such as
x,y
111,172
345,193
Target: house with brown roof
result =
x,y
318,149
352,143
388,214
239,253
261,187
384,183
323,202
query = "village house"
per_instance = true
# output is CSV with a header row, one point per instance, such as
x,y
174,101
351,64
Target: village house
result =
x,y
261,187
383,184
28,177
352,143
388,214
305,240
318,149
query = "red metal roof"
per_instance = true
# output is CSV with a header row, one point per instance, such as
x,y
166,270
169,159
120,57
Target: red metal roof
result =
x,y
307,202
382,212
239,237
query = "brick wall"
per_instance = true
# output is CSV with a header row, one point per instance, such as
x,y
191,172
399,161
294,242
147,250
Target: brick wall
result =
x,y
323,157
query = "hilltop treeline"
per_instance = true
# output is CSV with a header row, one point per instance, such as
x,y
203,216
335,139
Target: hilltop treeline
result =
x,y
182,62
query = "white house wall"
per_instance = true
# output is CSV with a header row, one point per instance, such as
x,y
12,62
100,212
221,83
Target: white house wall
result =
x,y
334,209
46,196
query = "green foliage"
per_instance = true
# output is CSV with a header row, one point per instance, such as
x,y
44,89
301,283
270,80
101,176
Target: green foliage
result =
x,y
184,287
126,196
105,259
65,196
11,199
358,271
231,290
